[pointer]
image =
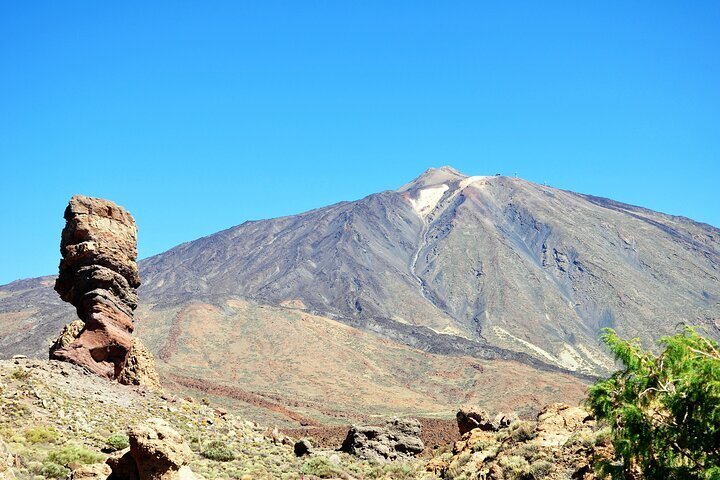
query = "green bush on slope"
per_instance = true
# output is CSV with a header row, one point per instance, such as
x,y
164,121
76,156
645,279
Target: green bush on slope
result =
x,y
116,442
218,451
664,410
74,454
41,434
54,465
320,467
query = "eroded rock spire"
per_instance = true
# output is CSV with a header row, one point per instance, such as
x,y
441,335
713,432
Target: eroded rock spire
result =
x,y
99,276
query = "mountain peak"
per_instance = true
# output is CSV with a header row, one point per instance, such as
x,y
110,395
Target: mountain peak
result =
x,y
427,190
434,177
450,170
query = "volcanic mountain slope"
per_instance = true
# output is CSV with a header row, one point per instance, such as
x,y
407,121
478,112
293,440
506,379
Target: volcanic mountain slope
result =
x,y
498,261
494,268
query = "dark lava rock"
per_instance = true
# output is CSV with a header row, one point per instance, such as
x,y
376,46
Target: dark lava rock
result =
x,y
398,439
302,447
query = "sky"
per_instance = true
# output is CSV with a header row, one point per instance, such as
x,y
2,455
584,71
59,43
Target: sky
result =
x,y
198,116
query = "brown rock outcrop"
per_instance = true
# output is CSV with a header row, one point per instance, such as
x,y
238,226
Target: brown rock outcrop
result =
x,y
95,471
471,417
140,368
99,276
558,422
157,452
560,445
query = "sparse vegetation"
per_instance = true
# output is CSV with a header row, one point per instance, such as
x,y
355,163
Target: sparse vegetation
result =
x,y
54,465
582,439
320,467
20,374
522,431
515,467
540,469
526,450
603,436
482,445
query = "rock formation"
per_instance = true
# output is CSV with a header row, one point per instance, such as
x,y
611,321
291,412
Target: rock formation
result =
x,y
560,445
67,336
157,452
99,276
471,417
399,438
95,471
140,368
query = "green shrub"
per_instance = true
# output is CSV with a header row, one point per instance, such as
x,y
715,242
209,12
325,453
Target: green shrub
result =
x,y
522,431
320,467
41,434
454,473
117,441
20,374
462,460
515,468
526,450
74,454
581,439
218,451
15,410
53,470
663,409
397,470
540,469
482,445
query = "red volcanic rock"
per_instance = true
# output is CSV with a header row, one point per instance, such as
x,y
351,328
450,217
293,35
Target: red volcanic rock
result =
x,y
99,276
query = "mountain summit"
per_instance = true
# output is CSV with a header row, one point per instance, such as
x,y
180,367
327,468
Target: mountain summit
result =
x,y
490,267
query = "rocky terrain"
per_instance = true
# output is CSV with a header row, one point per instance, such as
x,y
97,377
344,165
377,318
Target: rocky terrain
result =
x,y
56,417
59,420
562,444
452,289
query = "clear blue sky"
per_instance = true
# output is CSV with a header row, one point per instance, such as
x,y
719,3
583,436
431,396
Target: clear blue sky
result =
x,y
197,116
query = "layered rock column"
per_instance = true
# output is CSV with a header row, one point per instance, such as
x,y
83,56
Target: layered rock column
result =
x,y
99,276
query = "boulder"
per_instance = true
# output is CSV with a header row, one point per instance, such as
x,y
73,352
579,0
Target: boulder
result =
x,y
504,420
157,452
472,417
122,466
558,422
95,471
277,437
303,447
398,439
